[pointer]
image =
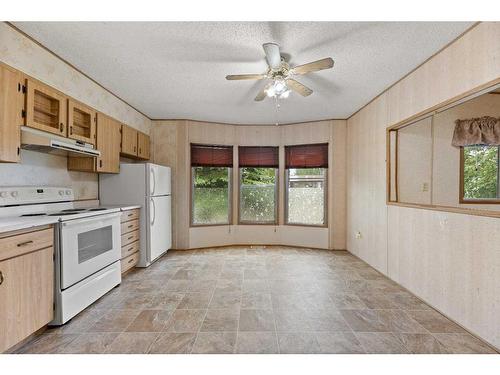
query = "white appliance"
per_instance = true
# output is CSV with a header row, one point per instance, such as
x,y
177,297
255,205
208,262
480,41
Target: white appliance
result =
x,y
147,185
87,244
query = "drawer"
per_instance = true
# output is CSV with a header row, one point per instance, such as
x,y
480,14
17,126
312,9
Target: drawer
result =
x,y
130,249
130,237
130,226
130,215
130,261
20,244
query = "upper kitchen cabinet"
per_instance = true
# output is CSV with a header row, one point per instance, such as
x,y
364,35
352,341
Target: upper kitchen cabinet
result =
x,y
81,122
143,149
129,141
11,104
46,108
108,143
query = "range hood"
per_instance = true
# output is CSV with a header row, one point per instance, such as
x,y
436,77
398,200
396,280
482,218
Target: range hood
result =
x,y
37,140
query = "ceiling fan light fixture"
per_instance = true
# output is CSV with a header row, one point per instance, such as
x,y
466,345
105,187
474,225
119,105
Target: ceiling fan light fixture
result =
x,y
278,88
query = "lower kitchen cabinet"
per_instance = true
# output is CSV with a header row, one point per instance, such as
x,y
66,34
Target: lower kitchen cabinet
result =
x,y
26,284
130,239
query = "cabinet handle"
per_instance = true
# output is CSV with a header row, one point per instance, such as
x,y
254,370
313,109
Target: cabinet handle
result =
x,y
61,127
100,163
70,130
24,243
1,278
131,226
130,261
130,237
135,148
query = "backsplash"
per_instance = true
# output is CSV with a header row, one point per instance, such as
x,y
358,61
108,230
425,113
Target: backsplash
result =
x,y
37,168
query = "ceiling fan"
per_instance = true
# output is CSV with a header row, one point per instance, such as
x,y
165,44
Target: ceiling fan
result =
x,y
281,74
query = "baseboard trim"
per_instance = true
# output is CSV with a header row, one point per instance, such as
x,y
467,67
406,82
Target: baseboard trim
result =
x,y
254,245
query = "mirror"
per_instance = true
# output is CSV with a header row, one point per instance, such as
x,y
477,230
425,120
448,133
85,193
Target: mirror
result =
x,y
449,157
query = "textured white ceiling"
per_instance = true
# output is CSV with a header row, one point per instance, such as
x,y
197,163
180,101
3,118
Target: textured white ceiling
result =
x,y
177,70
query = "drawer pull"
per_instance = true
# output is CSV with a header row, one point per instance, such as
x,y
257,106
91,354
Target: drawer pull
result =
x,y
131,214
130,237
131,226
21,244
1,278
130,261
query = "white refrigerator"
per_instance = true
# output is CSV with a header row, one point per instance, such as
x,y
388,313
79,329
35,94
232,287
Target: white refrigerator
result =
x,y
147,185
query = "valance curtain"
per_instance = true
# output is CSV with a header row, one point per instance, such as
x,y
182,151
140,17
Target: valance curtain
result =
x,y
477,131
258,156
307,156
211,156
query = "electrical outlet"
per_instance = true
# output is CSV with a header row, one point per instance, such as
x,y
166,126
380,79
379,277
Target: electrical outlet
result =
x,y
425,186
358,235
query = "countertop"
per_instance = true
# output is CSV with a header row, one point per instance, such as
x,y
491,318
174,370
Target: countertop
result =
x,y
9,224
122,207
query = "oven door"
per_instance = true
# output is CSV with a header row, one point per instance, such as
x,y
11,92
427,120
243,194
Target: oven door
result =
x,y
87,246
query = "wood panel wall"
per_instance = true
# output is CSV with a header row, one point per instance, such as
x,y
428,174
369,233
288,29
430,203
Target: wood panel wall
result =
x,y
450,260
171,141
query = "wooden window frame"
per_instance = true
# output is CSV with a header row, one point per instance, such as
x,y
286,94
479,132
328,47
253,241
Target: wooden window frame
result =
x,y
461,197
325,201
276,200
230,201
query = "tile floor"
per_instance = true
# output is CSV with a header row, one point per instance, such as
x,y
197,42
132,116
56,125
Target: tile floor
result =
x,y
257,300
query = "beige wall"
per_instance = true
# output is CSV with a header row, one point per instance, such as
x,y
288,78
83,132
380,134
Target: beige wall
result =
x,y
171,139
21,53
450,260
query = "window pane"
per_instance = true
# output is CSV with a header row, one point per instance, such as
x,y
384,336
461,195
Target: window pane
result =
x,y
306,196
211,195
258,195
481,172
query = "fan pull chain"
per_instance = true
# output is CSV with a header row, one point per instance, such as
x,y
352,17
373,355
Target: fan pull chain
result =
x,y
276,107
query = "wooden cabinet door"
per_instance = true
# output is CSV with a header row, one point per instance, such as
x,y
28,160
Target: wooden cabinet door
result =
x,y
46,108
108,142
129,141
81,122
143,149
11,105
26,295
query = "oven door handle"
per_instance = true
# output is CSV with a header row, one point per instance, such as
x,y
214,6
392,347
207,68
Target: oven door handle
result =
x,y
154,211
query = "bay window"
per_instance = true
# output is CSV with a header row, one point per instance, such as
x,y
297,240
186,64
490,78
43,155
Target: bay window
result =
x,y
211,168
306,184
258,167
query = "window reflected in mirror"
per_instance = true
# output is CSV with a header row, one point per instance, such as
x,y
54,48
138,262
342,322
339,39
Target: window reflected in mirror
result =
x,y
449,157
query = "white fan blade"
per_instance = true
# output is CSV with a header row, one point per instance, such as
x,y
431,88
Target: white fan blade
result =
x,y
298,87
273,57
234,77
261,95
313,66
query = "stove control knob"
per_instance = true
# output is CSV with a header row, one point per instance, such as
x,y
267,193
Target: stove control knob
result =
x,y
61,192
3,194
14,194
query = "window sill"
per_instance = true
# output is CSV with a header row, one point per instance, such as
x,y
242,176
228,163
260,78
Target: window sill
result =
x,y
307,225
209,225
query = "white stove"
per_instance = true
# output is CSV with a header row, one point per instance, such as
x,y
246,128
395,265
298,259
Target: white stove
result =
x,y
87,243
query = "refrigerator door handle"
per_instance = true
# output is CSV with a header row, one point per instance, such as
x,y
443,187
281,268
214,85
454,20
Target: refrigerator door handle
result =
x,y
154,212
154,181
